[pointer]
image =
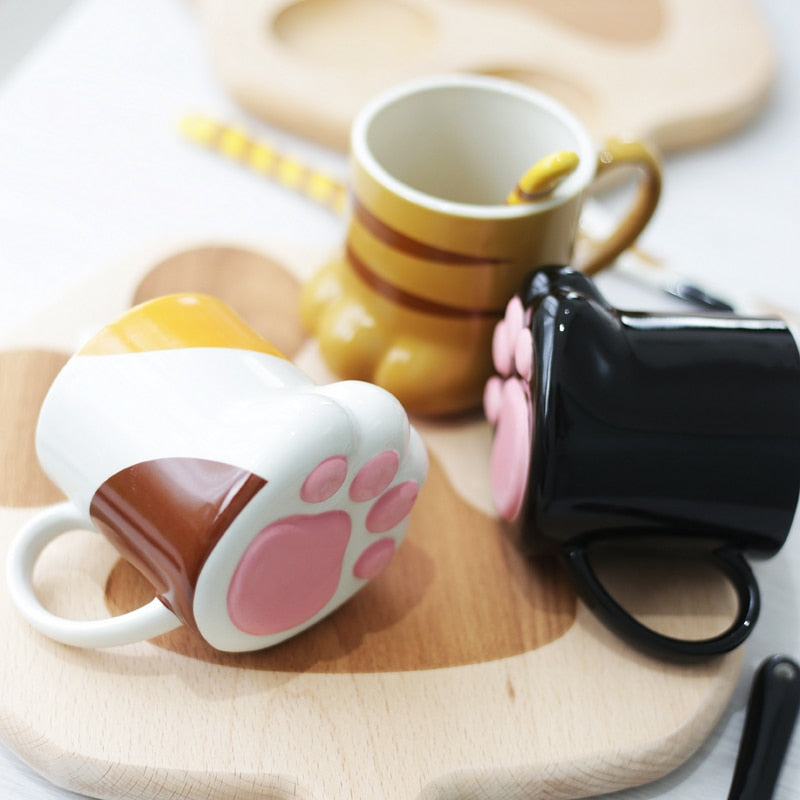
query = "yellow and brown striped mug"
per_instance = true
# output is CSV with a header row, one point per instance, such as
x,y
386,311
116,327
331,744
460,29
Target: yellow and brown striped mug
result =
x,y
254,501
433,250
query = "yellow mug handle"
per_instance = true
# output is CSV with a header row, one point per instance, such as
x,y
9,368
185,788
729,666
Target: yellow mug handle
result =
x,y
619,153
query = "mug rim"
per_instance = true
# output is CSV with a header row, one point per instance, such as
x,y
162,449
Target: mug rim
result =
x,y
572,187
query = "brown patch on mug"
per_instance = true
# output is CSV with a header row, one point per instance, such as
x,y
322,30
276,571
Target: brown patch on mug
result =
x,y
457,592
25,377
261,291
166,515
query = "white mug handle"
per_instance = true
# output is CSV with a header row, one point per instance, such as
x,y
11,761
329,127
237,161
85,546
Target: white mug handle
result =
x,y
150,620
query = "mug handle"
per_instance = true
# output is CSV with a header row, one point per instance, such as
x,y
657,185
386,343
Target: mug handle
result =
x,y
730,561
150,620
618,153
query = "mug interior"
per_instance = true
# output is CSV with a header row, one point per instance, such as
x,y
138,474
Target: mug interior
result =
x,y
467,141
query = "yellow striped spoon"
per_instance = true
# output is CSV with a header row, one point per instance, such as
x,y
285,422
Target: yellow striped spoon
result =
x,y
262,158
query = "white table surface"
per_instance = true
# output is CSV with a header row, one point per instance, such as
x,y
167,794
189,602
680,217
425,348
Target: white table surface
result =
x,y
92,170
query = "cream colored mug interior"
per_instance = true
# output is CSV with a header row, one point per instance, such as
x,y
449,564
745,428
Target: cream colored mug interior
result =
x,y
459,145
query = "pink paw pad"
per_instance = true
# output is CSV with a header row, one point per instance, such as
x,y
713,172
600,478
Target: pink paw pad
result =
x,y
374,476
293,567
511,451
523,355
288,573
392,508
492,396
324,480
374,559
507,405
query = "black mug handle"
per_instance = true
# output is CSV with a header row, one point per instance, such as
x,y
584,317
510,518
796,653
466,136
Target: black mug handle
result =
x,y
729,560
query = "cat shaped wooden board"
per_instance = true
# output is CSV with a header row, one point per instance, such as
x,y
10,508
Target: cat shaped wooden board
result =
x,y
677,72
464,670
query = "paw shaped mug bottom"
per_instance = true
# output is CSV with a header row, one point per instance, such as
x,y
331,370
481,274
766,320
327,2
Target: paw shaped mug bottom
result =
x,y
671,430
254,501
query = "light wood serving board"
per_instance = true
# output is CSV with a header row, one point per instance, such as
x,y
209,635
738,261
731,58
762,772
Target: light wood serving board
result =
x,y
679,72
463,671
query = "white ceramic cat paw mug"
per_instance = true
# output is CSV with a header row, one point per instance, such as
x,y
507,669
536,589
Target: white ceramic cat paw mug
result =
x,y
254,501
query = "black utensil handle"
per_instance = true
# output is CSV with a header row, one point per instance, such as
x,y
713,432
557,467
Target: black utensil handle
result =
x,y
771,713
730,561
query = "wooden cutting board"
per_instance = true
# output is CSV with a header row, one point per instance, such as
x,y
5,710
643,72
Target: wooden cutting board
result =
x,y
679,72
464,671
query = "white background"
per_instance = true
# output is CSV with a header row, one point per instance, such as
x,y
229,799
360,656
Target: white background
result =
x,y
90,174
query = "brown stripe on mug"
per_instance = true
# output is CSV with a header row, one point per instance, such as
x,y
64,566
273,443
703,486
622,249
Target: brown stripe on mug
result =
x,y
413,247
165,516
412,301
479,286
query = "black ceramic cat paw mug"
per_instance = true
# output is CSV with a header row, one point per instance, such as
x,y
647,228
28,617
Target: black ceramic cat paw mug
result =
x,y
667,429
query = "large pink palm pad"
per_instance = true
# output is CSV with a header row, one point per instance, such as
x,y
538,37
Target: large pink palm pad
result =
x,y
507,405
339,522
292,568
